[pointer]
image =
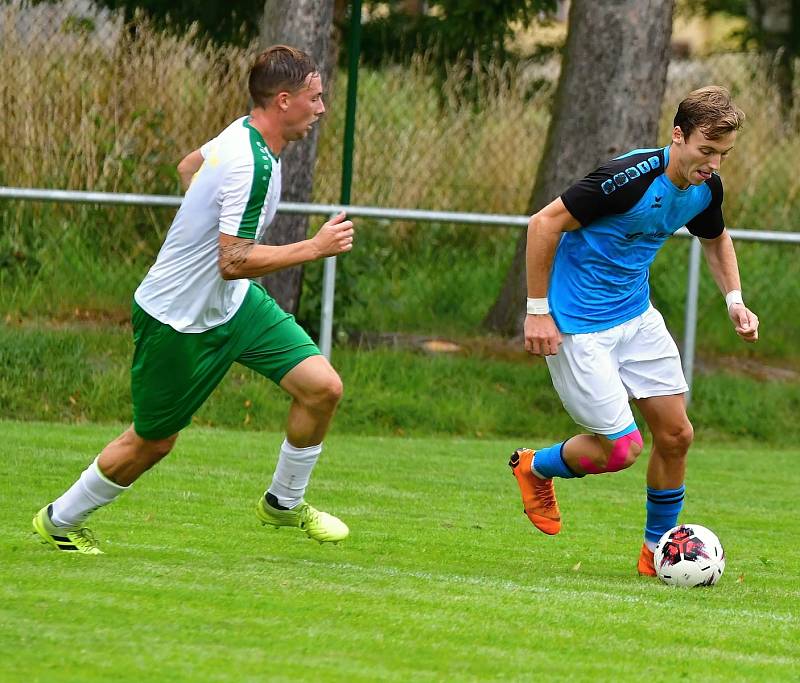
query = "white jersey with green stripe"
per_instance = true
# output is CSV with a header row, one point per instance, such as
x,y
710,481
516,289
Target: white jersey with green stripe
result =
x,y
236,191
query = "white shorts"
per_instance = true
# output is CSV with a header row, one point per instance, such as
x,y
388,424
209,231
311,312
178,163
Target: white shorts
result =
x,y
597,373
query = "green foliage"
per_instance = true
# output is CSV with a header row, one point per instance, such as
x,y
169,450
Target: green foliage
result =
x,y
735,8
229,21
474,31
442,579
80,373
755,34
411,290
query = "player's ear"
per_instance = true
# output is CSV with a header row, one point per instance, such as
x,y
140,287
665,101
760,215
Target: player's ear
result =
x,y
677,135
282,99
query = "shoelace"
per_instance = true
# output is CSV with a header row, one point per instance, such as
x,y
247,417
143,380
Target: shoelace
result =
x,y
308,516
546,492
84,538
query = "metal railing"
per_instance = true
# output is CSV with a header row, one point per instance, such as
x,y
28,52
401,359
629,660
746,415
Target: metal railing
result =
x,y
329,273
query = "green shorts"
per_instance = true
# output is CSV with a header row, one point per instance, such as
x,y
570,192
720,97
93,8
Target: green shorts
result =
x,y
173,373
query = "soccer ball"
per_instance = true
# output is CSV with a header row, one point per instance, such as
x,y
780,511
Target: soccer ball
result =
x,y
689,555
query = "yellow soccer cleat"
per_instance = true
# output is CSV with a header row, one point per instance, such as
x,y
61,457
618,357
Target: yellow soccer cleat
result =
x,y
318,525
79,539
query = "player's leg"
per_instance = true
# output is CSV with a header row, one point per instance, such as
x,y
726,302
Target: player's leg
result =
x,y
315,389
129,456
672,435
651,370
282,351
171,376
61,523
585,375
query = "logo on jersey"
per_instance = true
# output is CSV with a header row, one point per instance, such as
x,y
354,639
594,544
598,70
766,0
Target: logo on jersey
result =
x,y
631,173
656,203
636,235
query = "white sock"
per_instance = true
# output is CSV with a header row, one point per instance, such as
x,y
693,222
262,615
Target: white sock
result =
x,y
92,490
534,471
293,472
651,545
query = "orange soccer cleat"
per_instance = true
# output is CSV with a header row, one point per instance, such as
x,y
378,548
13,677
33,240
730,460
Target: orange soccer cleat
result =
x,y
538,495
646,566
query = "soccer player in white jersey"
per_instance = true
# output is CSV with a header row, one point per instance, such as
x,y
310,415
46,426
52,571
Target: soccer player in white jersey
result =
x,y
590,316
196,313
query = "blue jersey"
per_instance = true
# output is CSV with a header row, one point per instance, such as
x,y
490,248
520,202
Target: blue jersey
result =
x,y
627,209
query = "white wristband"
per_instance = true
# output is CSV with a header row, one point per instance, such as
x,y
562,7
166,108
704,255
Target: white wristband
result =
x,y
733,297
538,306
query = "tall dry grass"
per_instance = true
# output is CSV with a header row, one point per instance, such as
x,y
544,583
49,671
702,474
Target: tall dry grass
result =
x,y
762,185
101,107
104,108
95,105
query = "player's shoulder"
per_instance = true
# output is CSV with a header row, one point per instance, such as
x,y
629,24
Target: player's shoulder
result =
x,y
714,183
241,145
614,187
236,137
709,193
636,169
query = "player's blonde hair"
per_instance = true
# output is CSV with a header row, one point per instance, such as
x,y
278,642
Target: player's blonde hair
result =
x,y
710,110
279,68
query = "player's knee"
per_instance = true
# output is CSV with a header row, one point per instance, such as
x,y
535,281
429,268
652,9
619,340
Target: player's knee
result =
x,y
635,446
624,452
326,393
161,447
675,441
152,450
333,389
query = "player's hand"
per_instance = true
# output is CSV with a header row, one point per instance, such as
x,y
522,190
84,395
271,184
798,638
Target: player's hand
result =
x,y
745,322
335,236
542,337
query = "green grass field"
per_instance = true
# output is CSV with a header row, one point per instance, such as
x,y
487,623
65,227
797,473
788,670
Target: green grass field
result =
x,y
442,579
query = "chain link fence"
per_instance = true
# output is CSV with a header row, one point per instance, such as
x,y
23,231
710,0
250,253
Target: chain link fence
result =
x,y
92,103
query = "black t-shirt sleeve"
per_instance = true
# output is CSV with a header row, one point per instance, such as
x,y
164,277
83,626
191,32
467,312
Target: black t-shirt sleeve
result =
x,y
709,223
613,188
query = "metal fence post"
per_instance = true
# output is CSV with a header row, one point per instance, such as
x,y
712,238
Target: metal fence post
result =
x,y
690,332
329,272
326,315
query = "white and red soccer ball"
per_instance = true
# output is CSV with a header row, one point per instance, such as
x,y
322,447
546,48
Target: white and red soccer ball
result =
x,y
689,555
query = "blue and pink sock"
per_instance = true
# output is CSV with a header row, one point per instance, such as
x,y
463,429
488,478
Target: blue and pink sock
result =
x,y
549,463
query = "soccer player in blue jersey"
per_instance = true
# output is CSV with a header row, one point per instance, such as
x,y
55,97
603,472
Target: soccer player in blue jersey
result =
x,y
589,312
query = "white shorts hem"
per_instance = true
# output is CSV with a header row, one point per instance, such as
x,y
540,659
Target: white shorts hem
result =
x,y
664,392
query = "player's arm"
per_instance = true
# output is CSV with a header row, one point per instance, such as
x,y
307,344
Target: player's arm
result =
x,y
188,166
243,258
542,337
709,226
721,258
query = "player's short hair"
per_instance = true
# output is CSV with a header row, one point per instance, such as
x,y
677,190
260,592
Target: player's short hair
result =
x,y
710,110
279,68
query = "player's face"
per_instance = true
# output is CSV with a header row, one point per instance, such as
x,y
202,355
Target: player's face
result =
x,y
304,108
699,157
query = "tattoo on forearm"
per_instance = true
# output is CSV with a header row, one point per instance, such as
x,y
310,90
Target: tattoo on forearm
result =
x,y
232,256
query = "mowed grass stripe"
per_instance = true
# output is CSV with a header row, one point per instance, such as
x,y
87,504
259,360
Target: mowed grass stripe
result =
x,y
443,578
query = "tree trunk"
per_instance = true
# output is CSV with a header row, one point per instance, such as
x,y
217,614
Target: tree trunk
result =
x,y
608,101
307,25
773,21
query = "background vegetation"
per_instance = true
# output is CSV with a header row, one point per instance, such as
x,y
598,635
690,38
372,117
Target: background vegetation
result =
x,y
103,108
